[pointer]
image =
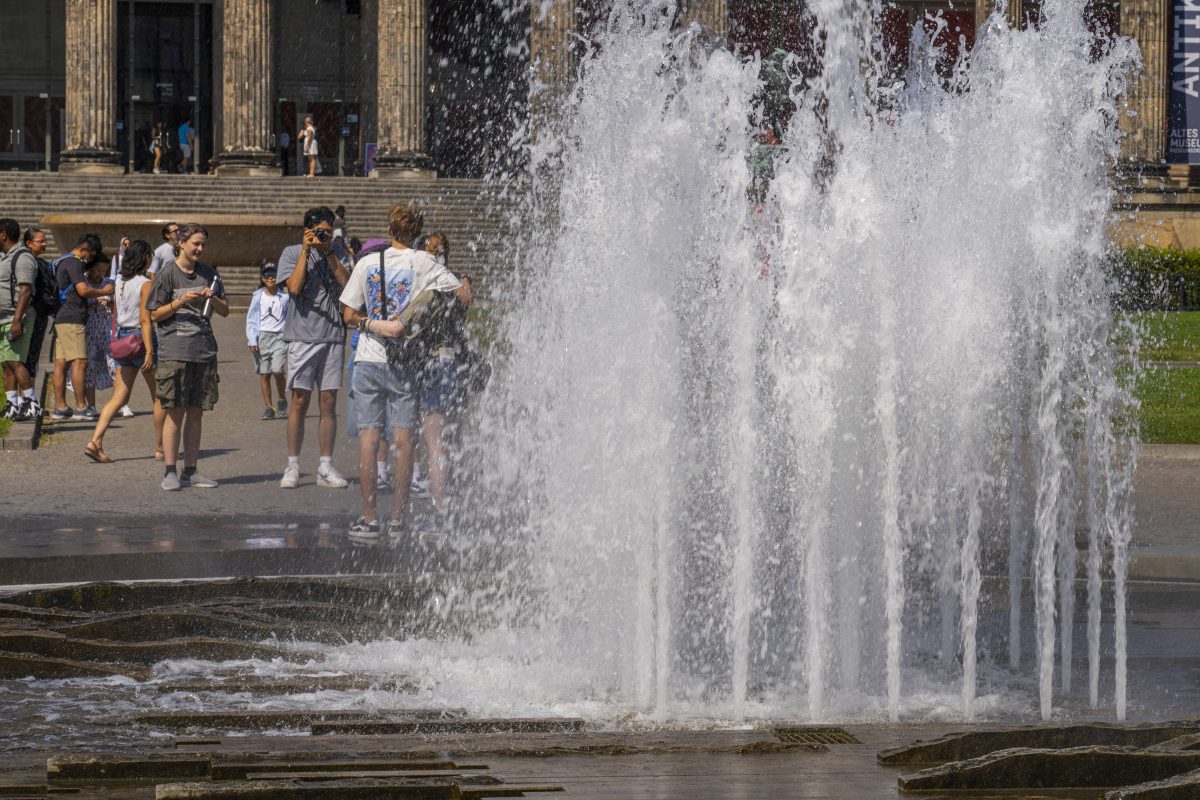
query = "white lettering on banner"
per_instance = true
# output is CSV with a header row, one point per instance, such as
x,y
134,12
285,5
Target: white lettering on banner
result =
x,y
1186,68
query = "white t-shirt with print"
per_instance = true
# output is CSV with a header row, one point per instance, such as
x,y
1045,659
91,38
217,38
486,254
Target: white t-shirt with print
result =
x,y
270,312
409,272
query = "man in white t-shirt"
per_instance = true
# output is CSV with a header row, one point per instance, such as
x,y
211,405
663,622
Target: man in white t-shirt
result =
x,y
381,390
165,253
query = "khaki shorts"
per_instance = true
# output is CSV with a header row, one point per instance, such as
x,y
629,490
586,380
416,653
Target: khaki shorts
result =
x,y
187,384
69,342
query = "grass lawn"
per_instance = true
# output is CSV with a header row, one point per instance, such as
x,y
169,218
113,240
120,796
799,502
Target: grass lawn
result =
x,y
1171,406
1171,336
5,426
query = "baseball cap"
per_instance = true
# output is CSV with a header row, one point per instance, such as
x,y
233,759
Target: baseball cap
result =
x,y
268,268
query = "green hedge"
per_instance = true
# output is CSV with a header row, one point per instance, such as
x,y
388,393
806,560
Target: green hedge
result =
x,y
1153,259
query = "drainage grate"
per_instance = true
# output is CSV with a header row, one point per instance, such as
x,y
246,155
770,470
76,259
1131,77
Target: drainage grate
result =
x,y
813,735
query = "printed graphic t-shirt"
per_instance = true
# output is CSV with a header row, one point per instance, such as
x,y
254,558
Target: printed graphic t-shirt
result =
x,y
409,272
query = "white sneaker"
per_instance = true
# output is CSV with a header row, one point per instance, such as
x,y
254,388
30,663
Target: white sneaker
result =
x,y
330,478
291,477
126,412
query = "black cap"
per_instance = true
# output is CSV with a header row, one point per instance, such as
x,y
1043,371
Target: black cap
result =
x,y
268,268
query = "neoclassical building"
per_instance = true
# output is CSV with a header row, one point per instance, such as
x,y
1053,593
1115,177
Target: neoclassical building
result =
x,y
400,86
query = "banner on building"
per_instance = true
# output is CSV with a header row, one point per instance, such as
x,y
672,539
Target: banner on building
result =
x,y
1183,117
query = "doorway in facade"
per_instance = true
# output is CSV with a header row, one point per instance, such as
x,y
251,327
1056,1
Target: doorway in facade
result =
x,y
165,69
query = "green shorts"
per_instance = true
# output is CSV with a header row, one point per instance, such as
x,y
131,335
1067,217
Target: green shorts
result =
x,y
18,349
187,384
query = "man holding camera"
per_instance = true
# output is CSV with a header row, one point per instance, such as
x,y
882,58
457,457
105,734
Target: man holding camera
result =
x,y
316,338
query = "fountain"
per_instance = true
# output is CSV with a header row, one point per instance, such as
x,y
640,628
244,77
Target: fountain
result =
x,y
773,460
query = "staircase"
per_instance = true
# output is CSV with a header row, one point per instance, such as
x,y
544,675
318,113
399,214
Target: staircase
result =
x,y
473,217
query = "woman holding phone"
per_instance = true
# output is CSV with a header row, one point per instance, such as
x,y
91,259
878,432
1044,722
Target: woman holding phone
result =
x,y
182,299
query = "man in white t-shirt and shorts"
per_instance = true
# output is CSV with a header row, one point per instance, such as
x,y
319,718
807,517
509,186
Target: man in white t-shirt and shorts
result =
x,y
383,391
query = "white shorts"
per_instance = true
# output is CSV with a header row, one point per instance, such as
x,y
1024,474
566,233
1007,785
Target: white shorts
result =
x,y
315,365
187,150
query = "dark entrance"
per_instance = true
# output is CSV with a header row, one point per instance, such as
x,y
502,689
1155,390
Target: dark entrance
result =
x,y
165,69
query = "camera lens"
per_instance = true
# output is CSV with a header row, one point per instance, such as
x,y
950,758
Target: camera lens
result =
x,y
322,234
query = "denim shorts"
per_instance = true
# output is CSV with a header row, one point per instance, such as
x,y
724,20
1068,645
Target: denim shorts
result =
x,y
136,363
439,389
384,395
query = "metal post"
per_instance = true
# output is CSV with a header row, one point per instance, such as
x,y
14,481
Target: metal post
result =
x,y
129,126
341,139
46,96
196,86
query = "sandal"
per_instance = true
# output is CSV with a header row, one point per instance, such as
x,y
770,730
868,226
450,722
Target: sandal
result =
x,y
96,453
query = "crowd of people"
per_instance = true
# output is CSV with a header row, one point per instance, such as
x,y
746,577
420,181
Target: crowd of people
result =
x,y
391,303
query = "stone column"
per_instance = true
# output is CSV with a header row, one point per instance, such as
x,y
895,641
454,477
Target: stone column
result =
x,y
712,14
552,26
1147,22
247,95
400,90
91,78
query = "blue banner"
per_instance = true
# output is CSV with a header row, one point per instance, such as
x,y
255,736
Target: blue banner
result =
x,y
1183,116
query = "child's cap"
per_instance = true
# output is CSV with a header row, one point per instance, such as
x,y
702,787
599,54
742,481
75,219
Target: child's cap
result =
x,y
268,269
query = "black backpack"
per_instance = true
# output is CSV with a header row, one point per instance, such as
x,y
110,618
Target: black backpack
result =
x,y
44,299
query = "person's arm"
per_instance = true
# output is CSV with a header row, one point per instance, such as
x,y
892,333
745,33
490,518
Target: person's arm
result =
x,y
24,292
295,282
340,273
252,321
88,293
463,293
219,304
147,327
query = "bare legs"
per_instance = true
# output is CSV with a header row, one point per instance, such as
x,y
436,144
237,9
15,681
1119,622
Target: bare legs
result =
x,y
436,463
190,422
368,448
122,387
326,432
77,380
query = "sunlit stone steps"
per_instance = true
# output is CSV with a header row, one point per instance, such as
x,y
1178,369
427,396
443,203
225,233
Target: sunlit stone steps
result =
x,y
473,216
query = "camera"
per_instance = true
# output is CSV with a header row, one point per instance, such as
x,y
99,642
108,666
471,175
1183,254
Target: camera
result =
x,y
322,234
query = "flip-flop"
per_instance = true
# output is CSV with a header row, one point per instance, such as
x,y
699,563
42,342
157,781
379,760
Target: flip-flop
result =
x,y
96,453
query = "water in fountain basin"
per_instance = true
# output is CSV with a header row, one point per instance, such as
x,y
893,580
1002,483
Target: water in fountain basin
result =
x,y
779,493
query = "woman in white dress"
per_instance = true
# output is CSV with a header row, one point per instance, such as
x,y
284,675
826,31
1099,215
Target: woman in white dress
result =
x,y
308,139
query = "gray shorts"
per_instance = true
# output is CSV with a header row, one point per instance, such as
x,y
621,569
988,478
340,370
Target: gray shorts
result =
x,y
384,395
271,358
315,366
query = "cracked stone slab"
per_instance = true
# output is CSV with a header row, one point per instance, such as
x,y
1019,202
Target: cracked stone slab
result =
x,y
355,789
1180,787
143,769
1067,768
972,744
14,666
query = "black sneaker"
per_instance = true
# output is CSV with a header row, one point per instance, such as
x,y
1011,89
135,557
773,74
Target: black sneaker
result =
x,y
11,411
361,529
396,529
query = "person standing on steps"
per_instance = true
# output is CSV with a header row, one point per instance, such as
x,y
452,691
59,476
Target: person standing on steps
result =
x,y
165,253
308,142
187,140
70,342
316,338
285,149
182,299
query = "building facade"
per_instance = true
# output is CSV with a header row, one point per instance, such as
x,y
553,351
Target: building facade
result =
x,y
399,86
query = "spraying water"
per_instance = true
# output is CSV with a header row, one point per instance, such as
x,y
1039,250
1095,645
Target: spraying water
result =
x,y
769,442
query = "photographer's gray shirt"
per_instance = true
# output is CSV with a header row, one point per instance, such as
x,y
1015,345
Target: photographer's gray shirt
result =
x,y
163,255
313,315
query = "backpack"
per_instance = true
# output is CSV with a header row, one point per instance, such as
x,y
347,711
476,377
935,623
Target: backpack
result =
x,y
44,297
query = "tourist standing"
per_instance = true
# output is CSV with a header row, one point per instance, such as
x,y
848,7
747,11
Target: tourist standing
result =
x,y
157,145
264,335
379,291
439,385
165,253
97,333
182,299
187,140
70,341
316,340
131,319
308,141
45,301
18,273
285,149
